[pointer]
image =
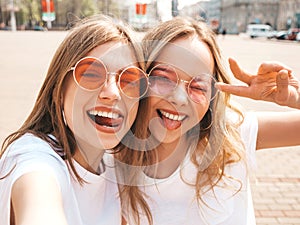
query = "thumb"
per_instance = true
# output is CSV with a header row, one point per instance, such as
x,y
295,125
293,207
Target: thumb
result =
x,y
282,82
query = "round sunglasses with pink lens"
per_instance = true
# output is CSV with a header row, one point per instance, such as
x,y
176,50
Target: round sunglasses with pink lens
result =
x,y
163,80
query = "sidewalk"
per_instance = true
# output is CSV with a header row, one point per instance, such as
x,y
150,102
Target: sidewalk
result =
x,y
276,187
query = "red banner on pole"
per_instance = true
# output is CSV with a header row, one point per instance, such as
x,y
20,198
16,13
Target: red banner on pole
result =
x,y
47,6
48,13
140,8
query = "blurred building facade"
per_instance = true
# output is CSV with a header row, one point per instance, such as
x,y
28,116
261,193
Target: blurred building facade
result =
x,y
235,15
289,14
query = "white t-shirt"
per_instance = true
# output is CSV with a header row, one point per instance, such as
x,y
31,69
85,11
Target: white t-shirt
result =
x,y
172,201
95,203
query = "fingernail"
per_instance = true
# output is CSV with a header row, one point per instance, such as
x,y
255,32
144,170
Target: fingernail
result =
x,y
283,76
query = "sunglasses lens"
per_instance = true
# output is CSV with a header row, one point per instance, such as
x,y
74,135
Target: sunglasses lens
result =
x,y
133,82
163,79
90,73
200,88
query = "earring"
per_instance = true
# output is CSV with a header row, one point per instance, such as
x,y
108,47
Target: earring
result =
x,y
64,117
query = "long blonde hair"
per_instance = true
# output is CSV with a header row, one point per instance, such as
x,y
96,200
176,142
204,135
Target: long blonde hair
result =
x,y
218,142
46,117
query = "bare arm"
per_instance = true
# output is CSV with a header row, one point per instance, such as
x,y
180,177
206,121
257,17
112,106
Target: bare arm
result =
x,y
273,82
278,129
36,200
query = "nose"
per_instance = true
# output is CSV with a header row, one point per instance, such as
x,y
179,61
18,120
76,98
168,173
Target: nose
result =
x,y
179,96
110,90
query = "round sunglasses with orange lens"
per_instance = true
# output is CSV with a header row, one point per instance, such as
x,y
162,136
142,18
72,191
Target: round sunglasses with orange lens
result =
x,y
91,74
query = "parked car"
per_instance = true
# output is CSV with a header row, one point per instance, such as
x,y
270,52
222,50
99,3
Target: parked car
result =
x,y
260,30
292,33
281,35
298,37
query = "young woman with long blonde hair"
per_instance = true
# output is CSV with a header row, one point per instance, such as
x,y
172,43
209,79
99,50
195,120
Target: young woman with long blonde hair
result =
x,y
200,148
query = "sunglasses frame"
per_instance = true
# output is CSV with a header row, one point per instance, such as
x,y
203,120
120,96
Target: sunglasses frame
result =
x,y
107,75
214,91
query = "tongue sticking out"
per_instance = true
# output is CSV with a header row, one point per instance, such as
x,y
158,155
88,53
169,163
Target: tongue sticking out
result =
x,y
171,124
108,122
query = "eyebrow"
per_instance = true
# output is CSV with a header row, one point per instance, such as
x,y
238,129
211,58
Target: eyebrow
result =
x,y
164,67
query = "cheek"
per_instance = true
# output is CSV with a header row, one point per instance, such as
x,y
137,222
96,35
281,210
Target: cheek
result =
x,y
132,109
154,102
74,101
68,100
200,110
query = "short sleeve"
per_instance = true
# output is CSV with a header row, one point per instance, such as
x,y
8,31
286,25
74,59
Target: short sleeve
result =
x,y
248,131
29,154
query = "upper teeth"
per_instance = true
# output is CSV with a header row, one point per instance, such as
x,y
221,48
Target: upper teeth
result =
x,y
110,115
172,116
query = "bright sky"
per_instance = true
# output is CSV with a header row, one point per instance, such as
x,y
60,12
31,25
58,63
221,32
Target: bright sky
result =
x,y
165,10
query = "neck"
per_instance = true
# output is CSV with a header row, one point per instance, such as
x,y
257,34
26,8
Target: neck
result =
x,y
170,156
175,148
89,158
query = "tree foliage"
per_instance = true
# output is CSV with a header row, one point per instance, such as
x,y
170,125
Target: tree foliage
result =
x,y
29,12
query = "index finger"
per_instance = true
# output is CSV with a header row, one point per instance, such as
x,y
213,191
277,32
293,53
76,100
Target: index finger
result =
x,y
238,72
238,90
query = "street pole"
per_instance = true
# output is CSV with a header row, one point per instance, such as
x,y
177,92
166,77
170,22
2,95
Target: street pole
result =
x,y
141,13
49,24
106,7
13,17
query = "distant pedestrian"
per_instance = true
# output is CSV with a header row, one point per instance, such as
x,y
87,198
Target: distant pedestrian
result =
x,y
224,31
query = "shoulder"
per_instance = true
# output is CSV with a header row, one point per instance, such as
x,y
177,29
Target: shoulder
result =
x,y
30,162
249,127
249,131
247,122
30,146
28,143
29,154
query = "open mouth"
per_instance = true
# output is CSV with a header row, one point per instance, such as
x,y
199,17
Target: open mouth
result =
x,y
170,120
106,121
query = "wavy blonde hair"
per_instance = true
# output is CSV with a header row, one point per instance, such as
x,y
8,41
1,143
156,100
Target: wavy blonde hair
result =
x,y
215,146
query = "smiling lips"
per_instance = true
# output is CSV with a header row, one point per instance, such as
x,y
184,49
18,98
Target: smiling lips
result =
x,y
171,120
106,120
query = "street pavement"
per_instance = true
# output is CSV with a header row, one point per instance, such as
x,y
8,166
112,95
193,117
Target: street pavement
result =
x,y
25,57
